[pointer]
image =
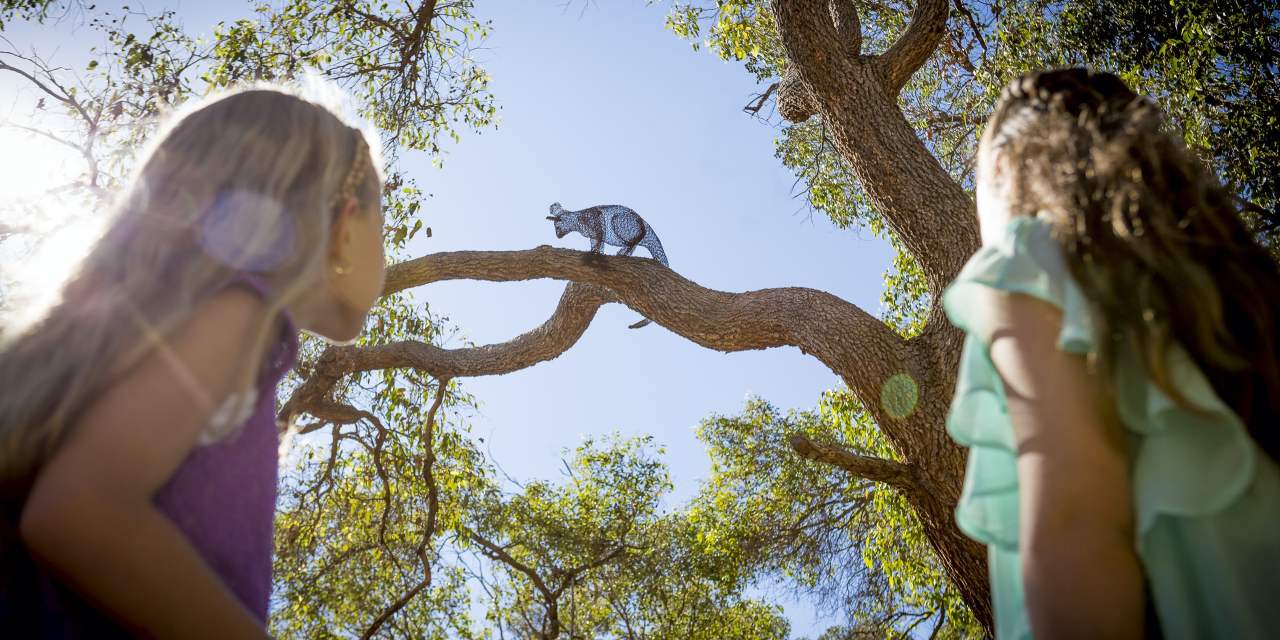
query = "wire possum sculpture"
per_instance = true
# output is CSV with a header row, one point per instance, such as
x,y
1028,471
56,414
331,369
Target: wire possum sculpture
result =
x,y
611,224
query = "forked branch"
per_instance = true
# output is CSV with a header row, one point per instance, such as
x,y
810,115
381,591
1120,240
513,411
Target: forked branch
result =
x,y
924,33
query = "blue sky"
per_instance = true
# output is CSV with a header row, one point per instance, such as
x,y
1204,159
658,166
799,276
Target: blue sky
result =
x,y
603,106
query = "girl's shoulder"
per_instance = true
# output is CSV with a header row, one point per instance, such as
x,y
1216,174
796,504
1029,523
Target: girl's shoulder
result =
x,y
275,355
1025,260
1185,463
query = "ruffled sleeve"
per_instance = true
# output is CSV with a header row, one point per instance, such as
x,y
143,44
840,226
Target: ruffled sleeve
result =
x,y
1186,463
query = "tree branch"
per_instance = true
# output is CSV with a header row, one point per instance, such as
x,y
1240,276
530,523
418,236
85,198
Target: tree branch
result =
x,y
395,607
919,200
500,554
572,574
833,330
428,470
890,472
573,315
853,343
433,509
927,28
426,12
812,42
331,413
64,97
757,103
844,14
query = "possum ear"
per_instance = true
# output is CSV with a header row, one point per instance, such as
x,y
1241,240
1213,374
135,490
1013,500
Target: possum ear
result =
x,y
556,208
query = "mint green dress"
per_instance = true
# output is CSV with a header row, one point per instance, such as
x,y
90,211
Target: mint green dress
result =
x,y
1207,498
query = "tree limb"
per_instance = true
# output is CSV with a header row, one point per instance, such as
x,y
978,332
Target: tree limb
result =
x,y
844,14
573,315
500,554
395,607
422,21
890,472
433,508
428,470
572,574
928,26
850,341
811,41
919,200
820,324
757,103
64,97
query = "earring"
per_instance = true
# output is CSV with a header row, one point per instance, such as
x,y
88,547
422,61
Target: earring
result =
x,y
342,271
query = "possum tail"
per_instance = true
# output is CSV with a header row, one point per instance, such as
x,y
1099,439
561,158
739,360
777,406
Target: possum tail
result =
x,y
651,243
654,246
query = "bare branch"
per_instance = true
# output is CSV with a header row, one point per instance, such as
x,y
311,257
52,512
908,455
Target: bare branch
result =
x,y
927,28
817,322
942,619
428,469
45,134
331,413
379,442
758,102
64,97
890,472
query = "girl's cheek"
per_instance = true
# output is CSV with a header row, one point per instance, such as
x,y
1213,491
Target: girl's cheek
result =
x,y
379,269
992,205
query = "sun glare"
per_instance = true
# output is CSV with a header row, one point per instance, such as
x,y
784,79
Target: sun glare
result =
x,y
32,164
44,230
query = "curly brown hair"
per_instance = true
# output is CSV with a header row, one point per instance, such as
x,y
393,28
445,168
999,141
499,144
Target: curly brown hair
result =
x,y
1150,234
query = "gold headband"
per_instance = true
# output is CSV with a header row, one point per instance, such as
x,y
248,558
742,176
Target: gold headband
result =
x,y
356,173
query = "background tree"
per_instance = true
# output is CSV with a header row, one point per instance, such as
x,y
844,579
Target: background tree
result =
x,y
596,556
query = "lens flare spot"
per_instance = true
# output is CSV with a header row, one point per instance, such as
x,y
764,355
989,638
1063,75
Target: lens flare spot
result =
x,y
247,231
900,396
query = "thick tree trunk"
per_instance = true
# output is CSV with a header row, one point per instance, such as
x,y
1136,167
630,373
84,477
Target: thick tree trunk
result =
x,y
856,97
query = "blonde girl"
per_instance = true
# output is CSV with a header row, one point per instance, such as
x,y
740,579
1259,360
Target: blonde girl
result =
x,y
138,443
1120,384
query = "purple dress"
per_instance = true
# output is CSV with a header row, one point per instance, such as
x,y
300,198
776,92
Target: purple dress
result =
x,y
222,497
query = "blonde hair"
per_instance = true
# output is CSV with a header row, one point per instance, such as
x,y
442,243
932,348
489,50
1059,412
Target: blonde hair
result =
x,y
244,182
1154,239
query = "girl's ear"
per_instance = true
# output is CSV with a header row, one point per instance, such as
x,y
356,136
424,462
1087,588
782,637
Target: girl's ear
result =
x,y
995,164
340,231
